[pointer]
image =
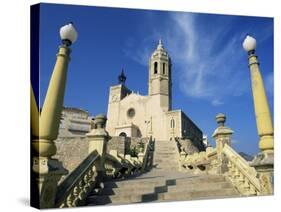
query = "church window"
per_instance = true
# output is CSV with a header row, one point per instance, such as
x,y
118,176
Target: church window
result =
x,y
131,113
164,66
155,67
172,123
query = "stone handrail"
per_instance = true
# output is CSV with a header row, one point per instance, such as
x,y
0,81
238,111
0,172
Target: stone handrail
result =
x,y
240,173
124,165
147,156
202,161
118,166
76,186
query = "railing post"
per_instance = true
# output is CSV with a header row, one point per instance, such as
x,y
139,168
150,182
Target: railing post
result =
x,y
222,136
98,138
264,161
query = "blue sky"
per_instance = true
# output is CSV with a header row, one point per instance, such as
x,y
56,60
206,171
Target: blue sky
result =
x,y
210,72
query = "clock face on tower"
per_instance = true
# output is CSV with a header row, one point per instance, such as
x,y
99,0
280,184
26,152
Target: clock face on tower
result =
x,y
114,98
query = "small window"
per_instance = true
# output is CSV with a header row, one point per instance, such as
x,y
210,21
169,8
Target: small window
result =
x,y
155,67
172,123
164,68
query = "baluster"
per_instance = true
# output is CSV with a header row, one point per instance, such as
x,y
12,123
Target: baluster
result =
x,y
69,200
86,184
81,191
246,187
252,190
241,182
232,172
230,168
75,195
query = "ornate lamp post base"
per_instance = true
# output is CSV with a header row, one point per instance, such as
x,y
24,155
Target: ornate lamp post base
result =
x,y
264,164
48,172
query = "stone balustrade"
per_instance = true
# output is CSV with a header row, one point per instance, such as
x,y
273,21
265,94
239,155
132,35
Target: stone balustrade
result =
x,y
240,173
146,156
224,160
76,187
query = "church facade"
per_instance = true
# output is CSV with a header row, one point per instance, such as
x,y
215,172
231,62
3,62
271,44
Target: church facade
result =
x,y
134,115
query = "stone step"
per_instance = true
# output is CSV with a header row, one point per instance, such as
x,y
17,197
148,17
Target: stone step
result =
x,y
165,158
163,147
160,160
203,194
159,181
199,186
102,200
171,168
134,190
164,153
136,183
169,196
160,189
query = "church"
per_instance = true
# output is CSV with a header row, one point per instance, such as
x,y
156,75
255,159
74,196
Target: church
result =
x,y
134,115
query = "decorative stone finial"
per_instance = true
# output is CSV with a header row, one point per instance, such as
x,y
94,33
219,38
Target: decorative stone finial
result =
x,y
220,118
100,121
221,129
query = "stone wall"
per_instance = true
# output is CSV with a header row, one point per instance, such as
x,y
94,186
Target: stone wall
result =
x,y
119,143
71,151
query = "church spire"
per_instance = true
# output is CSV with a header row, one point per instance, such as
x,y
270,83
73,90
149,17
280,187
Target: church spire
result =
x,y
122,77
160,45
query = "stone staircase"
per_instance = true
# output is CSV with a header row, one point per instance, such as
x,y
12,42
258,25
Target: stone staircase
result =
x,y
166,156
163,183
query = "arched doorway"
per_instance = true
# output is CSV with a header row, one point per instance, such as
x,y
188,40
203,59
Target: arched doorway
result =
x,y
123,134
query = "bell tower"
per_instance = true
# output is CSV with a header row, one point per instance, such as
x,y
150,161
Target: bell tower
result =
x,y
159,79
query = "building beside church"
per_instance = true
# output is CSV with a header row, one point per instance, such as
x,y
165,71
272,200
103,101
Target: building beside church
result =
x,y
74,122
134,115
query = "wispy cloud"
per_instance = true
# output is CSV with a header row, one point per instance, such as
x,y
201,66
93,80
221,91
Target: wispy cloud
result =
x,y
208,63
208,58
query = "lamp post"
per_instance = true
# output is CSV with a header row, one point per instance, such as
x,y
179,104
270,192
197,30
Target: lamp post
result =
x,y
264,161
48,171
51,111
263,117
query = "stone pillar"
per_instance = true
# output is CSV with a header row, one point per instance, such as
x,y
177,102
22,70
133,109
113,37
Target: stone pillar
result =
x,y
98,138
222,136
264,161
263,117
47,170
